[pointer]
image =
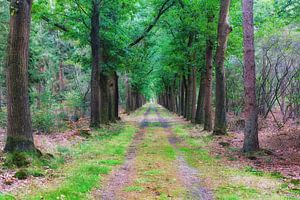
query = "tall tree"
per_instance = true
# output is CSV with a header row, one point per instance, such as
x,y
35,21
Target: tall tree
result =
x,y
251,132
224,29
200,104
95,78
208,73
19,128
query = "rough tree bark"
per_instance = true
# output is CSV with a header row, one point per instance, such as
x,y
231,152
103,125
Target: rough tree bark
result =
x,y
95,78
251,128
189,96
224,29
128,95
19,128
112,98
200,104
189,81
182,95
116,78
208,77
104,101
185,98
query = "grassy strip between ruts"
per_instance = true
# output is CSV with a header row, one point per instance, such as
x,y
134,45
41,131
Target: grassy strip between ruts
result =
x,y
156,169
88,162
226,182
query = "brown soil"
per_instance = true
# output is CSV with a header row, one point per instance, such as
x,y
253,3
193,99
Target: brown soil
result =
x,y
280,147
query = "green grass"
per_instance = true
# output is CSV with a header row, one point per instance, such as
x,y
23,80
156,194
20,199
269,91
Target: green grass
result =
x,y
6,197
232,192
90,160
153,172
230,183
134,189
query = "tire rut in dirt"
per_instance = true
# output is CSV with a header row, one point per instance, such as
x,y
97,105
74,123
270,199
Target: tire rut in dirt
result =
x,y
188,175
120,177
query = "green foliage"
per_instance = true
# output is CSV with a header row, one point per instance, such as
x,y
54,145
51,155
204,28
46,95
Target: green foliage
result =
x,y
75,101
3,118
21,174
43,121
17,159
254,171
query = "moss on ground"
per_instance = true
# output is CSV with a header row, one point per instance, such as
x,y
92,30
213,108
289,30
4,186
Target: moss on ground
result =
x,y
81,167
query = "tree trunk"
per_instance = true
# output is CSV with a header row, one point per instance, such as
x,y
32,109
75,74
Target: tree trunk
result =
x,y
128,95
224,29
19,128
116,78
185,105
61,77
263,105
182,95
104,102
251,127
208,77
95,82
111,98
200,105
194,93
189,95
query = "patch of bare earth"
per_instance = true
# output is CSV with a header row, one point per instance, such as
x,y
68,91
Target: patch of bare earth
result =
x,y
187,174
281,147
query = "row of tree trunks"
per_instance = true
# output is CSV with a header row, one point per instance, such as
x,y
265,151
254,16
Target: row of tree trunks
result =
x,y
202,114
186,86
104,85
134,99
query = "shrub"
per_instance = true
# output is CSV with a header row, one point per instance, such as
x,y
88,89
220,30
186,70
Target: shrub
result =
x,y
43,121
18,159
22,174
74,100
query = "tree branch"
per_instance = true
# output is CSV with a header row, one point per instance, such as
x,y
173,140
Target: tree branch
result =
x,y
165,7
61,27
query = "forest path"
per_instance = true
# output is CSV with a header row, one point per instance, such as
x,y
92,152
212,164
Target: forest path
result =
x,y
154,167
151,154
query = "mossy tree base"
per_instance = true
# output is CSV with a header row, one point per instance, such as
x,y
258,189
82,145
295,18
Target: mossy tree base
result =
x,y
19,145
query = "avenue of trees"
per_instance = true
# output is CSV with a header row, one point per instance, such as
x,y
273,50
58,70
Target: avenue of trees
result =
x,y
61,60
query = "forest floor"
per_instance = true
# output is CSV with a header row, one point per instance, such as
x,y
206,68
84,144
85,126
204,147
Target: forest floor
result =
x,y
151,154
